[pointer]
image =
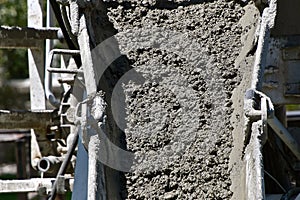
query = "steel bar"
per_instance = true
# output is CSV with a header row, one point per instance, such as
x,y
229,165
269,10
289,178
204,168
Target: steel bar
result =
x,y
67,71
29,33
36,73
48,57
27,185
36,57
31,185
17,37
24,119
285,136
19,43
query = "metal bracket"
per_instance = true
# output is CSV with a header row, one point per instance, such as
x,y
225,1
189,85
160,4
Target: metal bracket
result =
x,y
259,106
90,111
48,78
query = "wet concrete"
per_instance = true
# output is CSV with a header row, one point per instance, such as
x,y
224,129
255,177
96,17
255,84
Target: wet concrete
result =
x,y
186,57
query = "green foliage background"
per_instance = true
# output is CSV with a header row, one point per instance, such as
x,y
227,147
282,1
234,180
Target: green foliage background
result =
x,y
13,62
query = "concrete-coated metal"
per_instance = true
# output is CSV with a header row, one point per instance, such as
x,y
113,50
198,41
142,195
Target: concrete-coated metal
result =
x,y
28,37
25,119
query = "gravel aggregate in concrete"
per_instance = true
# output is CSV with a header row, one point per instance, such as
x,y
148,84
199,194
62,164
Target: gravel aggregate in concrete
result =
x,y
178,117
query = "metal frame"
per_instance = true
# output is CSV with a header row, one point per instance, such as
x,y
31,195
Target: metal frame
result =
x,y
275,80
39,120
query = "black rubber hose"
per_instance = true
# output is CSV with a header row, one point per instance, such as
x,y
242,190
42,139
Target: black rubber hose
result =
x,y
60,21
64,165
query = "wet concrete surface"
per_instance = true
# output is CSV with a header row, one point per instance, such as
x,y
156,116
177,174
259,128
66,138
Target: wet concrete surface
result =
x,y
179,102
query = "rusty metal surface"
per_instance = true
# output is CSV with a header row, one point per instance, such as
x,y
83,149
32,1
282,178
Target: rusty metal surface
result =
x,y
24,119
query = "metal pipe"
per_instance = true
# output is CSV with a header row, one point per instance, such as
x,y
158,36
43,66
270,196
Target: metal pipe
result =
x,y
66,71
284,135
48,77
49,44
49,164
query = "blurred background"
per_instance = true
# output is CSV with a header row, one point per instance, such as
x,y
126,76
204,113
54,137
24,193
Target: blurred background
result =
x,y
14,95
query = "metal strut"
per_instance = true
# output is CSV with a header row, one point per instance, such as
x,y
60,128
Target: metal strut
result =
x,y
79,29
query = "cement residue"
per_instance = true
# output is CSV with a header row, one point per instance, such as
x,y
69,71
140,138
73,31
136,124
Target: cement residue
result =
x,y
245,62
180,115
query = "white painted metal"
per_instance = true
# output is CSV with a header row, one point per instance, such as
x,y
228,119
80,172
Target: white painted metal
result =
x,y
36,57
29,185
36,72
